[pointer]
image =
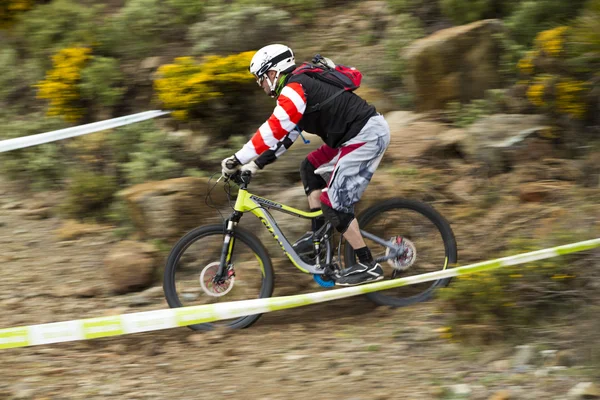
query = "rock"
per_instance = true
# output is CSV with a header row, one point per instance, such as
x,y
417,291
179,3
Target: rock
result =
x,y
414,141
151,63
461,190
500,365
458,63
169,208
501,395
541,191
565,358
72,229
584,390
15,205
37,213
23,391
461,389
130,266
294,357
87,292
523,358
503,140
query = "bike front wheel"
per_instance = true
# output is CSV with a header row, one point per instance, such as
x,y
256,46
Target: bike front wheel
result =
x,y
194,260
428,239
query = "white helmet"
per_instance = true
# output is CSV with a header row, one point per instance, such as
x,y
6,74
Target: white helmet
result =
x,y
274,57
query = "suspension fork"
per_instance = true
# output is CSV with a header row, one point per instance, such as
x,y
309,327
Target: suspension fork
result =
x,y
228,246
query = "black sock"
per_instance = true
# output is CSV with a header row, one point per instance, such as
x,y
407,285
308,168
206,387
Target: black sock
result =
x,y
318,222
364,255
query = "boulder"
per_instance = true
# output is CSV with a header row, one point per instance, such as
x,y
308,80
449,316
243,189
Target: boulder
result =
x,y
503,140
167,209
458,63
584,390
130,266
414,137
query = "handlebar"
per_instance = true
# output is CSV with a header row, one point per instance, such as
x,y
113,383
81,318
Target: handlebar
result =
x,y
242,179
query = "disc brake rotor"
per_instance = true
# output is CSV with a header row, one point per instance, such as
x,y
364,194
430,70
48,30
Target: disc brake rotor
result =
x,y
406,258
209,286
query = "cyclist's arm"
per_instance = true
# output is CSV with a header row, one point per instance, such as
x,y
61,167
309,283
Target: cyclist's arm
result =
x,y
291,104
273,154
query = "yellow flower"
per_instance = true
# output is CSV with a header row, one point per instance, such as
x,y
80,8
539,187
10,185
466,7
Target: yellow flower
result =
x,y
551,41
186,84
60,85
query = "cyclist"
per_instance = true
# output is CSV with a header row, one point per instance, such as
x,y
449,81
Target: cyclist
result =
x,y
355,137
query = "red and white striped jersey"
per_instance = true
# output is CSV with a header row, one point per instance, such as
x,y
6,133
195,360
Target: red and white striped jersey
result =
x,y
291,104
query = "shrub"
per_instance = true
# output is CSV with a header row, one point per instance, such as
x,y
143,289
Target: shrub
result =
x,y
465,11
141,27
305,10
156,157
533,16
54,26
220,33
403,30
89,194
185,85
61,84
463,115
552,87
584,40
10,9
101,82
39,167
186,11
18,75
505,300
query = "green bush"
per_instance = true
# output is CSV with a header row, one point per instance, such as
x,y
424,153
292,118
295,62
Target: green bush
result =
x,y
101,82
89,194
187,11
220,33
59,24
533,16
403,30
463,115
490,305
157,156
305,10
137,30
584,40
465,11
38,167
17,76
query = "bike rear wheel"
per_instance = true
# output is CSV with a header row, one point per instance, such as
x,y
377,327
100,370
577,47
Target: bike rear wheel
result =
x,y
194,260
428,237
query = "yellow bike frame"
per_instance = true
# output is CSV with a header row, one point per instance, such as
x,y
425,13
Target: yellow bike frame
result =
x,y
248,202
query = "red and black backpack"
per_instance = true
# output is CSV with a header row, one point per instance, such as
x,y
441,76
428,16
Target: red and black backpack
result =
x,y
323,69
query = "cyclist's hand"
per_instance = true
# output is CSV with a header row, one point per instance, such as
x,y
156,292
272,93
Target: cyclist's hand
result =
x,y
230,165
251,167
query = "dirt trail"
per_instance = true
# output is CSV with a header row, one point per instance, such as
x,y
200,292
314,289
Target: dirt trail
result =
x,y
342,350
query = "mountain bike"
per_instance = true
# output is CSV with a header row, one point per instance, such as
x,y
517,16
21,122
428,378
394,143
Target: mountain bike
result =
x,y
225,262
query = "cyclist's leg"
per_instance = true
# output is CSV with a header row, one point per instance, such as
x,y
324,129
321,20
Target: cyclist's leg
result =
x,y
359,158
313,184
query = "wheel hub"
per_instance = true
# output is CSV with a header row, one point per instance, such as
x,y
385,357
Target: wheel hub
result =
x,y
212,288
406,258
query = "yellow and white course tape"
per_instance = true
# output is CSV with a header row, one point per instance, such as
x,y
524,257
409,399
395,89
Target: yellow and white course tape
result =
x,y
93,328
34,140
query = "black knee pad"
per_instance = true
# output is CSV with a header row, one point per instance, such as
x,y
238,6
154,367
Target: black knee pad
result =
x,y
339,219
310,180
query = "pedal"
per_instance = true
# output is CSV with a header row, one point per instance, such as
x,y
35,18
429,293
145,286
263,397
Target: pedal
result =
x,y
323,281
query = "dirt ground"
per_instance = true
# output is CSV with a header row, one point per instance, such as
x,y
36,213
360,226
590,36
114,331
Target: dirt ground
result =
x,y
347,349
